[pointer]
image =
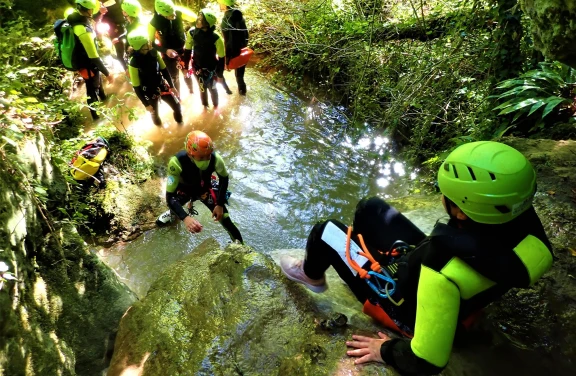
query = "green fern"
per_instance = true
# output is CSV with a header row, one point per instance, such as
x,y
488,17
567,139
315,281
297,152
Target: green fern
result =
x,y
542,91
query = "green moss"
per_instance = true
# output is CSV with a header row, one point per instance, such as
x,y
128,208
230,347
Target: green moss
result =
x,y
553,28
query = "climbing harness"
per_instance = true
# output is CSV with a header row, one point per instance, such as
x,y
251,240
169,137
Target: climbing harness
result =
x,y
204,77
378,279
168,91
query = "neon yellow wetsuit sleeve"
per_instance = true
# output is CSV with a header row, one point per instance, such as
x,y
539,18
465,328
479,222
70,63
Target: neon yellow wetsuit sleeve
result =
x,y
161,62
174,171
220,48
87,40
220,167
189,40
151,34
436,317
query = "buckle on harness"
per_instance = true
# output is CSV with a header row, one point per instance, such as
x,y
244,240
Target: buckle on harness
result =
x,y
378,279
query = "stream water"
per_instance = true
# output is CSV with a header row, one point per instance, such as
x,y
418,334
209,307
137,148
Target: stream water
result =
x,y
292,163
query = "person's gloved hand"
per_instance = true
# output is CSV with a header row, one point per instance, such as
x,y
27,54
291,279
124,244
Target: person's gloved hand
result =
x,y
192,225
367,348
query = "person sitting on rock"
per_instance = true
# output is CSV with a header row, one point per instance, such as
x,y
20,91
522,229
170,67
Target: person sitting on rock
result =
x,y
190,179
150,78
428,288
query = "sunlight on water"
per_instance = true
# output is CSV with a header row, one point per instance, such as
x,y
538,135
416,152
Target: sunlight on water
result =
x,y
292,164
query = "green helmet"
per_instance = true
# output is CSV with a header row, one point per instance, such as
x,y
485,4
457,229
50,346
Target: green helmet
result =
x,y
209,16
132,8
89,4
138,38
228,3
490,182
164,7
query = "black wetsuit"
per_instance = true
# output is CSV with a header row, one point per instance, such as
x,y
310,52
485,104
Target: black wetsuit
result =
x,y
474,266
235,35
171,35
186,182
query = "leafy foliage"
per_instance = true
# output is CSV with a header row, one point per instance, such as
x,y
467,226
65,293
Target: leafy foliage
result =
x,y
538,93
423,71
35,99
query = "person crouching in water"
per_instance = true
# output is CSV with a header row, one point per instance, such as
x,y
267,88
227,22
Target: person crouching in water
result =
x,y
150,78
190,179
209,55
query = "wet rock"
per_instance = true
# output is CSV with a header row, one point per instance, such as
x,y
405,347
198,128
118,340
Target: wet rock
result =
x,y
230,312
553,28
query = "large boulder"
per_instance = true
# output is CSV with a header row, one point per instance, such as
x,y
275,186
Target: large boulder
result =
x,y
553,24
229,312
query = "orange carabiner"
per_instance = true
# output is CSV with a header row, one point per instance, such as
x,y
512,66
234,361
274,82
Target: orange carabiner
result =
x,y
375,266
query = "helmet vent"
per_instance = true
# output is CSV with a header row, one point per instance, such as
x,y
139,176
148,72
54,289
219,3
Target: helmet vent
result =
x,y
455,172
446,167
502,208
472,173
492,176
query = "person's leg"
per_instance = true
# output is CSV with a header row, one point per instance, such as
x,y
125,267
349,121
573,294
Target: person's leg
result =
x,y
226,222
100,86
175,105
239,73
172,66
213,91
381,225
92,81
326,247
155,114
188,80
222,80
203,90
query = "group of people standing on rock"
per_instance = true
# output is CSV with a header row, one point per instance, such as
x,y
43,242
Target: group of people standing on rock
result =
x,y
154,54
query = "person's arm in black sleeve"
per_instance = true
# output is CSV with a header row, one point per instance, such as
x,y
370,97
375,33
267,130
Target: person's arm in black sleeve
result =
x,y
242,26
100,65
222,188
175,205
399,355
164,70
220,67
436,320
